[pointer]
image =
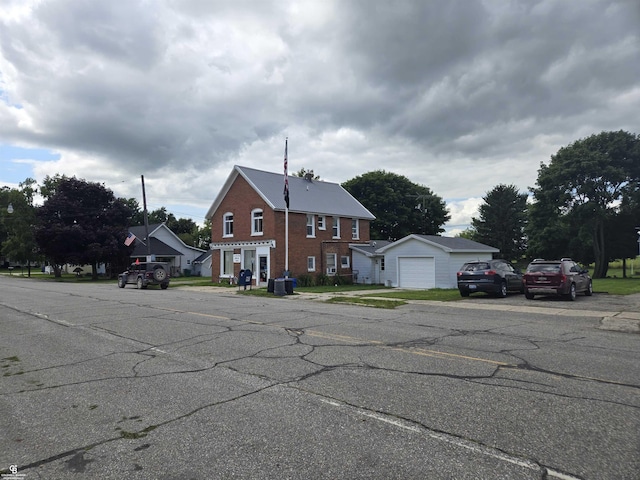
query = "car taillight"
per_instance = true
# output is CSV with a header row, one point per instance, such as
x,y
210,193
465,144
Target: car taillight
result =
x,y
490,272
459,274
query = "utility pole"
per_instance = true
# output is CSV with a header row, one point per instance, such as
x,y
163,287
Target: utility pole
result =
x,y
146,220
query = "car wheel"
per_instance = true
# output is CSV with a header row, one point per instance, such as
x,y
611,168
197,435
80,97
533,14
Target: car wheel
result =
x,y
159,274
528,295
589,290
139,283
572,292
164,286
121,282
503,290
464,293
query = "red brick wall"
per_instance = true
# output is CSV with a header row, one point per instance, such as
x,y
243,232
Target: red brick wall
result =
x,y
242,199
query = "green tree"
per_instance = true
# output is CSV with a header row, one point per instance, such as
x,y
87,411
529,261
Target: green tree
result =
x,y
303,171
580,192
18,220
400,206
502,220
82,223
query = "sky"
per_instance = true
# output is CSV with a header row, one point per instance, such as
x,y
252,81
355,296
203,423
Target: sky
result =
x,y
456,95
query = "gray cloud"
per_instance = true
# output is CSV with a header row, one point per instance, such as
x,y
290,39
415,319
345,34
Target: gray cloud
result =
x,y
440,91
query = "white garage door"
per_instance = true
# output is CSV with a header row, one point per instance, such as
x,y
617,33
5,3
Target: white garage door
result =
x,y
416,272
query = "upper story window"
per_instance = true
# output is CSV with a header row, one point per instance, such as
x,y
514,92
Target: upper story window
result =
x,y
336,227
256,222
355,229
227,229
322,222
311,228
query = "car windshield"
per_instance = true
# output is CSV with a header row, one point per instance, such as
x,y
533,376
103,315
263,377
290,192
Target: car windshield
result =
x,y
545,268
474,267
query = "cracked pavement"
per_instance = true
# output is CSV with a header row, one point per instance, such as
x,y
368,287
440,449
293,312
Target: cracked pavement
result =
x,y
98,382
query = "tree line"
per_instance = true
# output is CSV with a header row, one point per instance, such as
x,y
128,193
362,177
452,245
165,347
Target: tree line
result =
x,y
79,223
585,205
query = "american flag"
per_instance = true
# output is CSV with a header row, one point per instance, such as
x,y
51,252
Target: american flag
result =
x,y
130,238
286,175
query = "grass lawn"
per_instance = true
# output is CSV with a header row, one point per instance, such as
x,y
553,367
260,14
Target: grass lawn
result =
x,y
614,285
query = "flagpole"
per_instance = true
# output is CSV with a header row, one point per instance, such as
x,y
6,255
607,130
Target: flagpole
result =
x,y
286,210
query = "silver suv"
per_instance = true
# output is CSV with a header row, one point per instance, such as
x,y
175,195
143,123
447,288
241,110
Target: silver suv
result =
x,y
143,274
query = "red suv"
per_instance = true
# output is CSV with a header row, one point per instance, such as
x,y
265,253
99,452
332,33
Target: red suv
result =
x,y
556,277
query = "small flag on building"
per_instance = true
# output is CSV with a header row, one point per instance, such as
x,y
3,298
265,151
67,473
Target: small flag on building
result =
x,y
286,175
130,238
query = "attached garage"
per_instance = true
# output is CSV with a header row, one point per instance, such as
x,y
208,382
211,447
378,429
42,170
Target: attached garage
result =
x,y
428,261
416,272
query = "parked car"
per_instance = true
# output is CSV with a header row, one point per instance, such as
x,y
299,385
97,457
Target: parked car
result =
x,y
143,274
556,277
489,276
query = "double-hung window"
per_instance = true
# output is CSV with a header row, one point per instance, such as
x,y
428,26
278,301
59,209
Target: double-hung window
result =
x,y
228,225
256,222
355,229
336,227
311,264
322,222
311,227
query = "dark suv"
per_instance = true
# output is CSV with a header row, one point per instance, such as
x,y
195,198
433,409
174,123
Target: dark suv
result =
x,y
556,277
489,276
143,274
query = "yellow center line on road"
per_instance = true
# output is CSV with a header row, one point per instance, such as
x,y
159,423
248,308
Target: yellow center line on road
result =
x,y
351,339
412,351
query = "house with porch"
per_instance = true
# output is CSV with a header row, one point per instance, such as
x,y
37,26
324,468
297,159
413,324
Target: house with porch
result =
x,y
164,246
252,229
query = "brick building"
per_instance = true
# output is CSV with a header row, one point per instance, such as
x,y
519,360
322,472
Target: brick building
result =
x,y
248,224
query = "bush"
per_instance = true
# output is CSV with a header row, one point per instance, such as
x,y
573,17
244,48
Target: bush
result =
x,y
306,280
323,280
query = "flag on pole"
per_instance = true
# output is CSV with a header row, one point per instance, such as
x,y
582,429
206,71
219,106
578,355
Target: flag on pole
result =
x,y
130,238
286,175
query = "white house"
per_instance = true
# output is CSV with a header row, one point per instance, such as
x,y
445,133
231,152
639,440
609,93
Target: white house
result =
x,y
165,246
427,261
367,264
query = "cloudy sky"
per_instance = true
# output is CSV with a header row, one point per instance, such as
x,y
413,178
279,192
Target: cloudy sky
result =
x,y
457,95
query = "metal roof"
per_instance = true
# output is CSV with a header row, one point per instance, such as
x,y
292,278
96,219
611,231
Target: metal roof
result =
x,y
448,244
305,196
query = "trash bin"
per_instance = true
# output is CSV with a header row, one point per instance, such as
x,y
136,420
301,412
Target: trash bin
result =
x,y
288,286
279,287
270,285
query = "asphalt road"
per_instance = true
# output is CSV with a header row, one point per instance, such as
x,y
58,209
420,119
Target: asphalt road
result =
x,y
102,383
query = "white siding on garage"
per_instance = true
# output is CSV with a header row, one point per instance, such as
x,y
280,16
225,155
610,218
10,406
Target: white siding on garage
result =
x,y
416,272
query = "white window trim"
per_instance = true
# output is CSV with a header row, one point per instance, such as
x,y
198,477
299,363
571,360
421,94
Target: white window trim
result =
x,y
254,232
332,270
336,225
342,262
355,229
311,222
322,222
224,225
311,264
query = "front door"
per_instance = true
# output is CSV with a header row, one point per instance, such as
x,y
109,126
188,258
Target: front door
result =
x,y
264,268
